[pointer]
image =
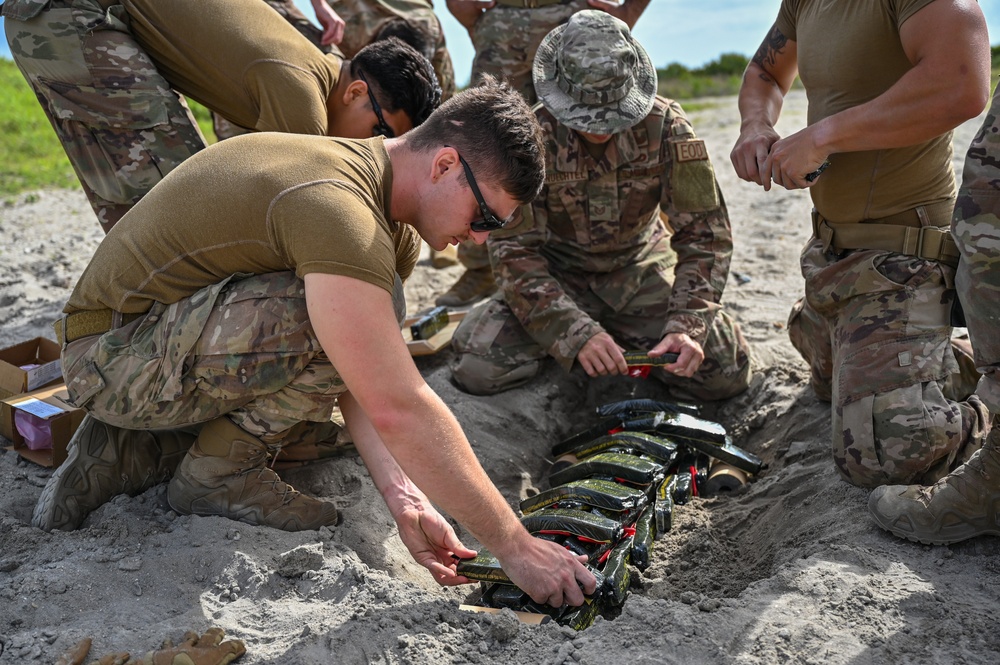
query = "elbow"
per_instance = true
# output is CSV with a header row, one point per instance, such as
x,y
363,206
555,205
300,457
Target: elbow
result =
x,y
972,98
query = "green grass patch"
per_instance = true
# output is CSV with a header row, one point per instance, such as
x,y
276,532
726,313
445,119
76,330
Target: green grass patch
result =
x,y
33,156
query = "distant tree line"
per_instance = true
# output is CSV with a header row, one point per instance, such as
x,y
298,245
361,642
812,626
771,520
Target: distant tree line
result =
x,y
721,76
727,64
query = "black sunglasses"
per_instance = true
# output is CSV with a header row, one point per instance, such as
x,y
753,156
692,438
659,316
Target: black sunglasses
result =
x,y
489,222
382,128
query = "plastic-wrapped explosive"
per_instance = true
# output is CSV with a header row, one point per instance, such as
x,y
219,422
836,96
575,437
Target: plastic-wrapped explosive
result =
x,y
430,324
642,541
684,488
696,464
704,436
663,505
590,526
506,595
640,363
581,617
660,449
484,567
616,575
633,408
620,467
603,494
593,551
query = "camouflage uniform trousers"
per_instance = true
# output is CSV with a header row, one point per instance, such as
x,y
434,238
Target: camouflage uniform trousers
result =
x,y
226,130
495,353
122,126
505,39
243,348
976,228
874,327
364,18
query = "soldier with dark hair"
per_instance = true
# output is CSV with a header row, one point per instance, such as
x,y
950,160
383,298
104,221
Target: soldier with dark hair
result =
x,y
413,21
592,270
109,78
258,287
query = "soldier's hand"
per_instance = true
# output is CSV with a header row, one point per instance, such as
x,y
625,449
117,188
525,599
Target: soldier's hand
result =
x,y
750,153
794,157
547,572
432,541
467,12
601,356
625,11
690,355
333,25
208,649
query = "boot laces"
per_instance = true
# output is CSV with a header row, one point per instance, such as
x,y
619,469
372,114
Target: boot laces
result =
x,y
956,477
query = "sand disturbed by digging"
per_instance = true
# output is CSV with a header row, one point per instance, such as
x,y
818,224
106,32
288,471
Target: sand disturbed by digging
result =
x,y
789,569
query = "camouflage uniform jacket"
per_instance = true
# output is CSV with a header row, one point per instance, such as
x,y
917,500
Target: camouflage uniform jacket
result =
x,y
598,224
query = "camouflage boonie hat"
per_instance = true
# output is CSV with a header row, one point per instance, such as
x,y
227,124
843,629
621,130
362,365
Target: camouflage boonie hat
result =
x,y
593,76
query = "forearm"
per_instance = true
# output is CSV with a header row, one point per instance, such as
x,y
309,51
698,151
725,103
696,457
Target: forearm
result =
x,y
422,436
396,488
703,244
539,301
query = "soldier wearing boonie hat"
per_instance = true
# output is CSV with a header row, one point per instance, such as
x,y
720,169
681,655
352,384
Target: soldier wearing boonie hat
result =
x,y
591,269
506,35
593,76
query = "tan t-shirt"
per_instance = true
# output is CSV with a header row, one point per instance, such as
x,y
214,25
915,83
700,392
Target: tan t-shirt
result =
x,y
849,53
241,59
257,203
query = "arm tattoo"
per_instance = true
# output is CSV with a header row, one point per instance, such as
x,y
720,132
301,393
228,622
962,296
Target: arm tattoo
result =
x,y
769,50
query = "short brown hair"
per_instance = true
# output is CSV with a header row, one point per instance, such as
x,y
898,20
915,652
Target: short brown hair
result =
x,y
495,131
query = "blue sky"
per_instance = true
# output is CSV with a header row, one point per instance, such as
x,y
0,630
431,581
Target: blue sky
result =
x,y
671,30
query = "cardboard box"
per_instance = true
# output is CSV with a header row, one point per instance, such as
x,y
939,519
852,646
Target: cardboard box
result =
x,y
62,418
39,351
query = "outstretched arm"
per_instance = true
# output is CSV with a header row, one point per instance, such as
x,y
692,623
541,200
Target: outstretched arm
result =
x,y
949,83
427,535
355,324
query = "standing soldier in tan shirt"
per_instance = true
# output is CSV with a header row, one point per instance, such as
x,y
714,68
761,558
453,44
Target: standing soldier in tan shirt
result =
x,y
885,90
108,77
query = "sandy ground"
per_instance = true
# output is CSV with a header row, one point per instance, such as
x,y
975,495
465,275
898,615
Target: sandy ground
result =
x,y
789,569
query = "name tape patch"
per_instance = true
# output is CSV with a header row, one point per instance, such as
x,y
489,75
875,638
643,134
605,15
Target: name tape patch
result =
x,y
691,151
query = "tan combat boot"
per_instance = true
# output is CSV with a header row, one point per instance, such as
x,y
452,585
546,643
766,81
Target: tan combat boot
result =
x,y
225,473
962,505
444,258
102,462
472,286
